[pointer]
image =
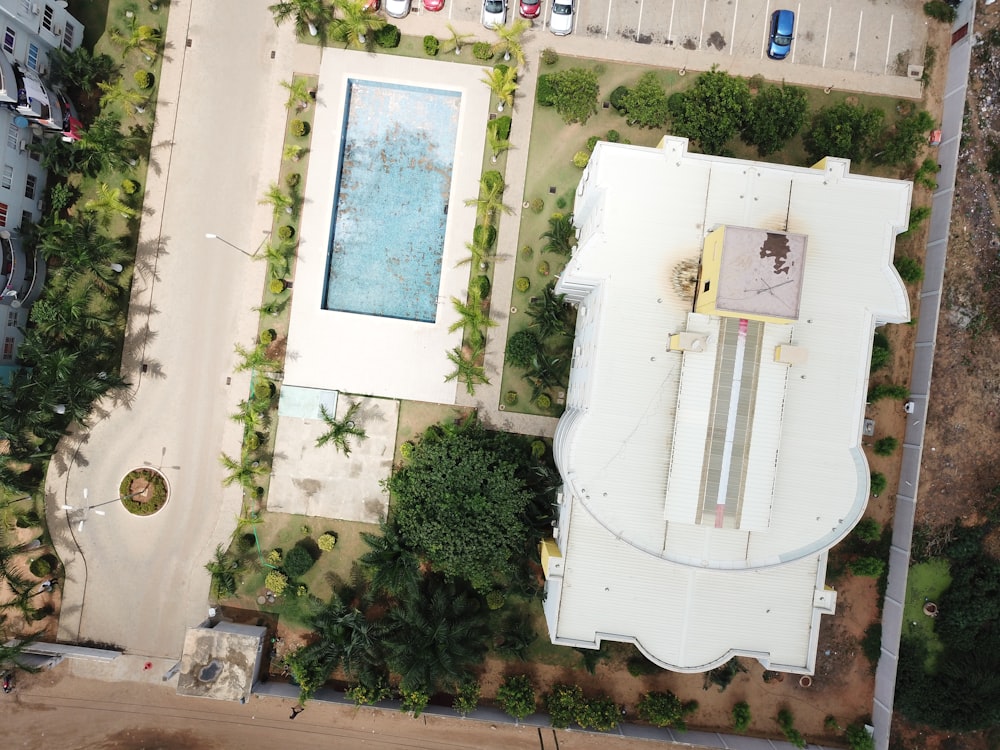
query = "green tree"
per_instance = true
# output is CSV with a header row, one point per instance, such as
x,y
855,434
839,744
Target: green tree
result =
x,y
118,93
601,714
454,42
522,348
646,103
476,477
136,36
472,317
560,237
550,313
80,70
79,244
13,652
298,93
223,571
104,147
776,115
243,472
490,200
563,703
255,359
516,696
432,640
468,367
886,446
502,81
879,483
663,709
508,40
574,93
496,143
357,24
741,717
107,203
867,566
903,141
279,201
845,130
339,430
311,17
712,111
391,568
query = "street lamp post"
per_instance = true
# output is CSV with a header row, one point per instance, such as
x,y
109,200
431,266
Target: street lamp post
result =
x,y
87,508
211,236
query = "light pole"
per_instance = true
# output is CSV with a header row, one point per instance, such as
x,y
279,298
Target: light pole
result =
x,y
211,236
87,508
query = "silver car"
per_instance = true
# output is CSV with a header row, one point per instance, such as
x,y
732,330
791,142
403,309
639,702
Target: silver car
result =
x,y
494,13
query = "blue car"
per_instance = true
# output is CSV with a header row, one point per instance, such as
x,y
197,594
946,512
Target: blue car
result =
x,y
782,26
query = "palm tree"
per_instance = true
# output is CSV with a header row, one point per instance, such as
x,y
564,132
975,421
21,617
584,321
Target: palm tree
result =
x,y
490,200
467,368
357,24
278,199
550,313
477,254
278,257
496,143
80,70
146,39
104,147
248,415
509,40
119,93
338,430
309,16
455,41
255,359
243,472
560,236
107,203
473,317
391,567
223,569
298,93
502,81
80,243
546,371
293,152
433,640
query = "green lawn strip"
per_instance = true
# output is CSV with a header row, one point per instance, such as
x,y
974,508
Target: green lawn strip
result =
x,y
925,582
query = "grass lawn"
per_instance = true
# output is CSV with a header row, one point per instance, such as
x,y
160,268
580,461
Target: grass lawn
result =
x,y
926,582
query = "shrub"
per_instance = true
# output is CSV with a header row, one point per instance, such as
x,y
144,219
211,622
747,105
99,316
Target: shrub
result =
x,y
909,269
327,541
406,451
592,143
871,644
495,599
886,446
482,285
563,703
640,666
545,92
28,520
879,483
510,398
431,45
500,126
561,202
543,268
574,94
522,348
516,696
388,36
868,530
543,401
276,582
527,252
867,566
299,128
143,79
482,51
537,206
741,717
613,136
484,235
601,714
276,286
888,390
939,11
538,448
292,179
286,232
918,215
274,557
662,710
467,698
298,561
550,56
267,336
646,103
787,723
618,99
858,738
252,442
415,701
130,187
581,159
42,566
881,353
368,695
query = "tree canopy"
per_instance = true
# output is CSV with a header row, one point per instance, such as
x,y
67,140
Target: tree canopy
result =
x,y
846,130
464,502
712,111
645,104
902,142
776,114
573,93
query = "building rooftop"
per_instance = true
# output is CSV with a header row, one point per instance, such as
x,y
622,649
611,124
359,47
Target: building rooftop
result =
x,y
221,662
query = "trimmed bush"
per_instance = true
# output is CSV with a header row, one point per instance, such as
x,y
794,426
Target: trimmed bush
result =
x,y
613,136
299,128
886,446
482,285
527,252
537,205
482,51
909,269
143,79
267,336
543,268
276,286
130,187
252,442
431,45
881,353
510,398
867,566
292,179
858,738
787,723
484,235
581,159
42,566
618,98
543,401
495,599
516,696
276,582
274,557
545,92
406,451
550,56
662,709
245,543
879,483
592,143
600,713
298,561
562,704
868,530
388,36
467,698
741,717
286,232
538,448
522,348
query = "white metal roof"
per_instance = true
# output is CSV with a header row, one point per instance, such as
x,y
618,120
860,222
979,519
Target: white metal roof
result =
x,y
692,593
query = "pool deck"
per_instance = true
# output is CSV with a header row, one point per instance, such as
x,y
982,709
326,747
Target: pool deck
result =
x,y
365,353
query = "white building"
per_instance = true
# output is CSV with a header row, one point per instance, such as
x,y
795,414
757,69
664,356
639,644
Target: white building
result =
x,y
710,448
30,109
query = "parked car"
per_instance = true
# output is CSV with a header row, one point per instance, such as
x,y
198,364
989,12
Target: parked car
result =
x,y
494,13
433,5
530,8
397,8
561,22
782,27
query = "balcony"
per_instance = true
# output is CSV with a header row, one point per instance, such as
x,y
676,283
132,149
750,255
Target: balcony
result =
x,y
22,273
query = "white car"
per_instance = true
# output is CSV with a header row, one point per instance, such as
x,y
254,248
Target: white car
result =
x,y
494,13
397,8
561,22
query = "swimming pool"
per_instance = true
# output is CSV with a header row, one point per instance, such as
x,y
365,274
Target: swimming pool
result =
x,y
391,200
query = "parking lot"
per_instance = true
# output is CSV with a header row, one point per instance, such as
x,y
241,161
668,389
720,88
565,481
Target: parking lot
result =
x,y
878,37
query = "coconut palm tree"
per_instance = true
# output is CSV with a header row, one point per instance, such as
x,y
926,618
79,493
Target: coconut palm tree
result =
x,y
473,318
509,40
278,257
255,359
455,41
560,237
107,203
293,152
391,568
136,36
119,93
502,81
248,415
467,368
79,244
80,70
105,147
496,143
477,254
280,201
311,17
243,472
223,570
490,200
298,93
338,430
357,24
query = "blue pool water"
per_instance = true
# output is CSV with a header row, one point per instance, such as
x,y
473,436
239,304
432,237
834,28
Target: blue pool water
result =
x,y
391,200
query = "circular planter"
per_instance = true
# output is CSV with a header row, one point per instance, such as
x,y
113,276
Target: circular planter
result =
x,y
805,681
144,491
931,609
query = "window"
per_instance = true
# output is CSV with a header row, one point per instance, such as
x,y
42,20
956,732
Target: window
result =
x,y
32,59
12,136
8,349
7,179
26,220
33,155
3,214
29,186
68,35
47,18
9,37
12,318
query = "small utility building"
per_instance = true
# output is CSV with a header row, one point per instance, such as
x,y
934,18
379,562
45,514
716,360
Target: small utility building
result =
x,y
710,449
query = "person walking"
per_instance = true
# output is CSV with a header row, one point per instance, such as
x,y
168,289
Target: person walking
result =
x,y
296,710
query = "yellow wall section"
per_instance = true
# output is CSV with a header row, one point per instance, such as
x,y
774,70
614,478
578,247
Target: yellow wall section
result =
x,y
711,266
549,550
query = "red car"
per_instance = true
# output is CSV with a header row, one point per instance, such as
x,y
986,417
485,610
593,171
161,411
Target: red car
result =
x,y
530,8
433,5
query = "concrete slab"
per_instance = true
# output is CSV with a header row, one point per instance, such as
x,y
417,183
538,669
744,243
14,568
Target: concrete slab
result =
x,y
321,481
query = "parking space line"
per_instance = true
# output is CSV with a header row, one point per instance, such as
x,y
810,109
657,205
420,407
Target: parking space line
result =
x,y
767,19
826,41
576,16
607,23
857,44
701,31
670,28
888,45
732,38
638,24
798,15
